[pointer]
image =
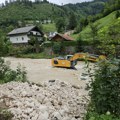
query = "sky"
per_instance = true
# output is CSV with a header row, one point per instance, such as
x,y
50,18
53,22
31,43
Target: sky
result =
x,y
59,2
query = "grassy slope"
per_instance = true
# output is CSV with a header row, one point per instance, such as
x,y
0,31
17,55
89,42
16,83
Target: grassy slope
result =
x,y
103,22
49,27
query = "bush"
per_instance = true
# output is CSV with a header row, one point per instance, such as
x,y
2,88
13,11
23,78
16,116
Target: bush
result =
x,y
58,48
96,116
70,43
7,74
105,88
5,115
4,47
64,43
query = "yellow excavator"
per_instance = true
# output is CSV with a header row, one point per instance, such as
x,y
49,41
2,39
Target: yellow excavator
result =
x,y
70,61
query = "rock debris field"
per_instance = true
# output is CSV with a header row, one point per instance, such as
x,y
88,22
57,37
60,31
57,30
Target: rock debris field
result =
x,y
52,100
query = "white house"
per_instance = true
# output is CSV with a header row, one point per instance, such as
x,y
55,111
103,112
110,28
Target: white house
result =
x,y
21,35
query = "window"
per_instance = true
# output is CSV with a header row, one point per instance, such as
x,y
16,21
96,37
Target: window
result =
x,y
22,38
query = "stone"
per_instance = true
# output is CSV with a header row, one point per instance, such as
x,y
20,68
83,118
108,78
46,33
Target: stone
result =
x,y
76,87
56,115
54,100
51,80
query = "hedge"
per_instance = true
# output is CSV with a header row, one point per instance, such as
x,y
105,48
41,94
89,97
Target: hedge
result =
x,y
66,43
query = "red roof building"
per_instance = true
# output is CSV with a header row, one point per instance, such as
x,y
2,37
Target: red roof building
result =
x,y
62,37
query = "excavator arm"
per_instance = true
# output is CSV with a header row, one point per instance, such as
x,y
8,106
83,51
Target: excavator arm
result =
x,y
78,56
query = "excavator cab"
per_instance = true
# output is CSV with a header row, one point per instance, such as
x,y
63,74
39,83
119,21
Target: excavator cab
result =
x,y
67,57
64,62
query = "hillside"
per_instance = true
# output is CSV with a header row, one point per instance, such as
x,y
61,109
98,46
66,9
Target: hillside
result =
x,y
102,24
17,12
13,12
86,8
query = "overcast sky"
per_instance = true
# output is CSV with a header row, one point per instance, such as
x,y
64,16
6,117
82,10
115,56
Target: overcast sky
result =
x,y
60,1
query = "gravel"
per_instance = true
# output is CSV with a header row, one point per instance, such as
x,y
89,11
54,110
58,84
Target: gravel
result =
x,y
52,100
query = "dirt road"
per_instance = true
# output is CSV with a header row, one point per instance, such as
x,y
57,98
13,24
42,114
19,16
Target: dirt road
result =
x,y
40,70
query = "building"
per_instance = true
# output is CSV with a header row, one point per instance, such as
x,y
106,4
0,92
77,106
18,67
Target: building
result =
x,y
21,35
62,37
52,34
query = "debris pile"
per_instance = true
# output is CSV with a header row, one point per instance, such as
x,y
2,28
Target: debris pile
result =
x,y
54,100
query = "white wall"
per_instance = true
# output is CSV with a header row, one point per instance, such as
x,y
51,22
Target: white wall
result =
x,y
19,39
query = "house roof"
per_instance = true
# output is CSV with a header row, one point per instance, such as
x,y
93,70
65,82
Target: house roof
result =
x,y
64,36
22,30
67,37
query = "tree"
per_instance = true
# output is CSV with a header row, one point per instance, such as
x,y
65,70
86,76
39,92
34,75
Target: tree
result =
x,y
79,45
94,34
72,21
6,2
35,41
45,1
58,48
60,24
105,88
94,30
117,14
109,39
38,1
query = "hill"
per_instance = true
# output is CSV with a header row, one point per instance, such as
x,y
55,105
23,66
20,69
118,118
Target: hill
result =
x,y
84,9
27,12
16,12
102,24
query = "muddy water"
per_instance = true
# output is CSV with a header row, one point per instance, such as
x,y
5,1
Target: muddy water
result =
x,y
40,70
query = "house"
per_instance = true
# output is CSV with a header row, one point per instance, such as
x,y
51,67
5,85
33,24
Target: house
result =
x,y
52,34
21,35
61,37
46,21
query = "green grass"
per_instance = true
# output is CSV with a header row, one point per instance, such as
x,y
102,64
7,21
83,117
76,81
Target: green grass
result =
x,y
49,27
103,22
75,36
37,56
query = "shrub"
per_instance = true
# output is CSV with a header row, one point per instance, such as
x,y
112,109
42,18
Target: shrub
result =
x,y
5,115
7,74
58,47
96,116
4,47
105,88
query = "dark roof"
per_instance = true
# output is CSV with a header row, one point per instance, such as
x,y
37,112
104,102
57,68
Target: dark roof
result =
x,y
64,36
22,30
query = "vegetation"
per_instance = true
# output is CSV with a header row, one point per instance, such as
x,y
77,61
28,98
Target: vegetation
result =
x,y
39,12
49,27
41,55
105,84
102,23
105,92
7,74
5,115
60,25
